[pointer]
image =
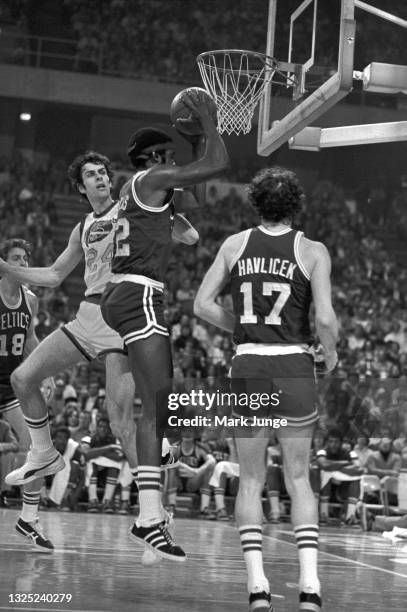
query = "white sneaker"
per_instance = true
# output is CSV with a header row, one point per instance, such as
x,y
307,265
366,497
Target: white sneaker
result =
x,y
37,465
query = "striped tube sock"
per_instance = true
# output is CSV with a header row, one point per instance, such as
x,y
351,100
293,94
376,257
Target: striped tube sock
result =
x,y
219,498
29,512
125,494
351,509
148,481
251,540
40,433
109,488
307,543
92,489
205,498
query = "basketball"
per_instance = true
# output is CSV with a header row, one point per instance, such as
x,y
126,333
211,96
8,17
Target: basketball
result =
x,y
179,110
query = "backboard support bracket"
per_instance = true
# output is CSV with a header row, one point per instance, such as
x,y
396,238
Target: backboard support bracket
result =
x,y
327,95
315,138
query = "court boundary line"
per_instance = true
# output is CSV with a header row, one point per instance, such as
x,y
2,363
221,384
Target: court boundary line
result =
x,y
361,563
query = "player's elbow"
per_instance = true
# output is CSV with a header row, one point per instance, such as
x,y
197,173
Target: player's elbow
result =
x,y
55,278
190,237
220,165
198,307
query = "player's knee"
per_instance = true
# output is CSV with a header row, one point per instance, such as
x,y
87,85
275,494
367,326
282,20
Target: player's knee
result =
x,y
24,378
18,380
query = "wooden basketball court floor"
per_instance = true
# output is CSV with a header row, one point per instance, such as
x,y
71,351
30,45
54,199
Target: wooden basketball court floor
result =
x,y
96,562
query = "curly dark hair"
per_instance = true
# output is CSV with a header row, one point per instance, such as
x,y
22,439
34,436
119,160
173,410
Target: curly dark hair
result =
x,y
14,243
335,432
276,194
75,169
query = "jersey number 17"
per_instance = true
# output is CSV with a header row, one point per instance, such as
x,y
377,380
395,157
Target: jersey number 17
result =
x,y
268,289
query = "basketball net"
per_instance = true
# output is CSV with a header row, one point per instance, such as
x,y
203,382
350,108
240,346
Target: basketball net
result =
x,y
236,80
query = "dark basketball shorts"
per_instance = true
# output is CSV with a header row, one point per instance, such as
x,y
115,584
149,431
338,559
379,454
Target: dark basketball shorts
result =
x,y
134,310
275,387
8,400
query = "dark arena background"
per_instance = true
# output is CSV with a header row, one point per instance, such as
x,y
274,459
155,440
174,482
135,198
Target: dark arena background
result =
x,y
86,74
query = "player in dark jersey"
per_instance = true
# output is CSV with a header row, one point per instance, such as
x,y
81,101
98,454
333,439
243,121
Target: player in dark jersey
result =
x,y
193,472
274,272
133,302
18,308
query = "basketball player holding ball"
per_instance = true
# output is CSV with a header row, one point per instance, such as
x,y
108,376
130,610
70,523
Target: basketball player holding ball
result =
x,y
133,302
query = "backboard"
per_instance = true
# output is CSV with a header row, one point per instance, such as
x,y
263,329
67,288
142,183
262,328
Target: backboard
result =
x,y
322,36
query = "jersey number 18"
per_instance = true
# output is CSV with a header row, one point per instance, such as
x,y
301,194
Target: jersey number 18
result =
x,y
17,345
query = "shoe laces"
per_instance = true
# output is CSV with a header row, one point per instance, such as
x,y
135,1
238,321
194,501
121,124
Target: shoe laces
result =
x,y
38,528
166,534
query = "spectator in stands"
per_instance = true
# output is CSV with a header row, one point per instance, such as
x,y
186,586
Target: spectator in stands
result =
x,y
185,296
82,431
57,401
362,450
225,475
91,400
340,468
42,329
104,456
8,449
72,416
192,474
66,485
385,464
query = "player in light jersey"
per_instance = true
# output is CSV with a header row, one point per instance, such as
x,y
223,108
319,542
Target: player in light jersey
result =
x,y
133,301
87,336
274,273
18,308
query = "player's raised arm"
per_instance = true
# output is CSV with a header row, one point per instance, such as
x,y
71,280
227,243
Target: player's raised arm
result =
x,y
213,161
53,275
205,305
325,319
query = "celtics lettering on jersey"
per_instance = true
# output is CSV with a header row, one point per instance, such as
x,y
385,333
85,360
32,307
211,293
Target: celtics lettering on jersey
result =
x,y
14,324
143,237
271,290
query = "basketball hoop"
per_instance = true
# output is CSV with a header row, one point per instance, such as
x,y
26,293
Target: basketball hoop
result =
x,y
236,80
